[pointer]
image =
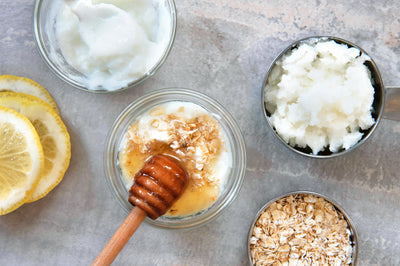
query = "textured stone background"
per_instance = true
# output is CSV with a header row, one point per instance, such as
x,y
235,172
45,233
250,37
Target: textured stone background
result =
x,y
222,48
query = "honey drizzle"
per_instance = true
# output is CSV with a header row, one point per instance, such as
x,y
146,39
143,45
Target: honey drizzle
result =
x,y
200,193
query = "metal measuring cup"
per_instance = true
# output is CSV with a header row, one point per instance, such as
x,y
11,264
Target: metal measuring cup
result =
x,y
351,225
386,102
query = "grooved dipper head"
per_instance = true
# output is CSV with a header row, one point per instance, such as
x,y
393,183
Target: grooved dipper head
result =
x,y
158,185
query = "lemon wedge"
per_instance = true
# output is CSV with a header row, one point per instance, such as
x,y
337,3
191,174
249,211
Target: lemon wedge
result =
x,y
27,86
21,159
54,139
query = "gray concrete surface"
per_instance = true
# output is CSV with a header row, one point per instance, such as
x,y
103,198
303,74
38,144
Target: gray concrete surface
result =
x,y
222,48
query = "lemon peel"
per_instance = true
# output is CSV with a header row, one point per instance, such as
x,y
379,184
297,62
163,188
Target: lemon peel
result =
x,y
27,86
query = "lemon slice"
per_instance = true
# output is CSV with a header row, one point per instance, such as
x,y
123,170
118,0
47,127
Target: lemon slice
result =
x,y
21,95
27,86
21,159
53,136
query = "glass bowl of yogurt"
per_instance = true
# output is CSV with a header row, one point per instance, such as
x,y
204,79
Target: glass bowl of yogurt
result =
x,y
323,96
104,46
194,129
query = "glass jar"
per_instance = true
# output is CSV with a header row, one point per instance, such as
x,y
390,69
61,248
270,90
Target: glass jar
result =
x,y
45,29
131,113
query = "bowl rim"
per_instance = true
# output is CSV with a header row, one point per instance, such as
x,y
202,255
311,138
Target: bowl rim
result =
x,y
60,74
349,221
381,91
110,167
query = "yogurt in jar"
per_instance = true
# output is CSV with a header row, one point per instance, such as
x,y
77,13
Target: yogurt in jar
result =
x,y
113,42
187,132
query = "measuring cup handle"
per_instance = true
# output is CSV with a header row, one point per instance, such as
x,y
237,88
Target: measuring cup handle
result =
x,y
392,106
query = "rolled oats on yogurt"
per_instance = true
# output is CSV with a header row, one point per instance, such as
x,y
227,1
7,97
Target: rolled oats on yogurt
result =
x,y
189,133
301,229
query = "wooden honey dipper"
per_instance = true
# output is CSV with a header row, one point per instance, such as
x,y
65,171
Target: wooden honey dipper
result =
x,y
156,187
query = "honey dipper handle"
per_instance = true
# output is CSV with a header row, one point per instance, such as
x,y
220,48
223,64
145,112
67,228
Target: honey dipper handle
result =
x,y
120,237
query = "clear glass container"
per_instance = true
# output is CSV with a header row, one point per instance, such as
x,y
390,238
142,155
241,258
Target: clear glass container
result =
x,y
131,113
45,14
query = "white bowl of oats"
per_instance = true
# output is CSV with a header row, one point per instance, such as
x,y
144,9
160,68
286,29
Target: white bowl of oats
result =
x,y
302,228
195,130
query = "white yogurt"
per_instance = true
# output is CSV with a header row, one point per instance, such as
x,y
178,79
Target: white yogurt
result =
x,y
189,133
320,95
113,42
148,133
